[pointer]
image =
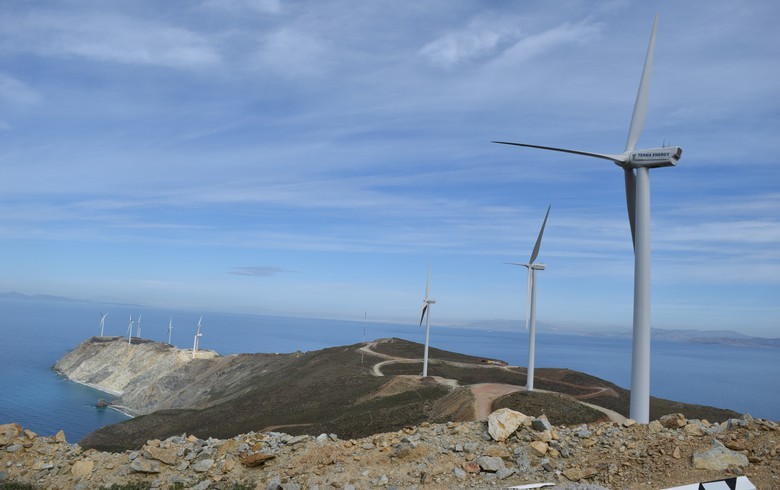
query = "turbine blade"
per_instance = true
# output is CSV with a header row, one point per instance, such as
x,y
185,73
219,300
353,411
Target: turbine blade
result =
x,y
606,156
535,253
424,310
631,200
642,95
528,299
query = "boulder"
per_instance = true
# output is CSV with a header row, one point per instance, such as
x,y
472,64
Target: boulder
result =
x,y
504,422
143,465
82,468
256,460
9,432
541,423
539,447
167,456
577,474
673,421
490,464
719,458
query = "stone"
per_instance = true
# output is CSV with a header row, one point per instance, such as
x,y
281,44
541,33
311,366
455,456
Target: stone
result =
x,y
204,485
82,468
504,473
504,422
321,439
541,423
256,460
9,432
28,434
629,422
60,437
719,458
167,456
654,427
143,465
13,448
544,436
490,463
694,429
673,421
470,467
459,473
539,447
676,453
499,451
577,474
203,465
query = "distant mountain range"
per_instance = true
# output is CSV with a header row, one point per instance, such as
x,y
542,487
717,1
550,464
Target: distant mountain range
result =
x,y
725,337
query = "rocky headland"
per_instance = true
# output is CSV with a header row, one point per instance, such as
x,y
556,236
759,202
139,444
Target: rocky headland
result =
x,y
360,416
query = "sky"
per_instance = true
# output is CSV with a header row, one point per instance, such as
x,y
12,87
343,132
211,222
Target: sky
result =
x,y
314,158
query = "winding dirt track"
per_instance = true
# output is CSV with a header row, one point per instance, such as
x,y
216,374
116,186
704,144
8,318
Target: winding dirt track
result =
x,y
486,393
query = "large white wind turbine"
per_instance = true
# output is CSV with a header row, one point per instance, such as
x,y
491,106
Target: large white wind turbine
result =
x,y
530,306
130,330
138,327
198,335
102,322
636,166
170,329
426,314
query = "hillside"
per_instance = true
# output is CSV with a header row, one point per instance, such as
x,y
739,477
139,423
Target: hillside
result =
x,y
353,391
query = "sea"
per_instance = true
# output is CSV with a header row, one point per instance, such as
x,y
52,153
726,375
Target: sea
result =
x,y
34,333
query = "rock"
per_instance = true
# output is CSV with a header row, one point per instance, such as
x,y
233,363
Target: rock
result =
x,y
694,429
539,447
504,473
203,465
470,467
256,460
676,453
544,436
504,422
167,456
321,439
9,432
459,473
13,448
143,465
719,458
82,468
673,421
577,474
629,422
490,463
28,434
60,437
204,485
541,424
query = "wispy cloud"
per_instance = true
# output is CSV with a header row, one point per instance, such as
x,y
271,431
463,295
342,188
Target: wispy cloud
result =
x,y
109,37
13,90
482,37
258,271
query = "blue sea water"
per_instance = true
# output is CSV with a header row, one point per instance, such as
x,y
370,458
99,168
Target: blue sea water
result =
x,y
35,333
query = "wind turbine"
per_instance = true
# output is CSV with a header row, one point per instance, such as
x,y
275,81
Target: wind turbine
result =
x,y
198,335
102,322
138,327
426,314
170,329
530,308
636,165
130,330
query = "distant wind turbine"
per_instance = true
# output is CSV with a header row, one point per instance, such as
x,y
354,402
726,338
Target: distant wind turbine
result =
x,y
102,322
130,330
198,335
426,315
138,327
170,329
636,165
530,305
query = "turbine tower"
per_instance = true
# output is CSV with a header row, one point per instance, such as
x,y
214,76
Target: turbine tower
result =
x,y
102,322
198,335
170,329
530,305
636,165
130,330
138,327
426,314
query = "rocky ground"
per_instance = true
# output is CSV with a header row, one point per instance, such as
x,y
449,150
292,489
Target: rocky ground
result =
x,y
510,449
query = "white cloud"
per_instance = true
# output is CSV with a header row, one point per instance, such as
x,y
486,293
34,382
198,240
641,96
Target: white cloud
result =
x,y
293,53
480,38
262,6
14,90
532,46
110,37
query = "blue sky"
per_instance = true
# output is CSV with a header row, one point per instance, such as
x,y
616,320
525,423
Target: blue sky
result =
x,y
313,158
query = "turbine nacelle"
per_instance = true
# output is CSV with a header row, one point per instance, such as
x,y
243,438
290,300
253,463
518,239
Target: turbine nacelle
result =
x,y
654,157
